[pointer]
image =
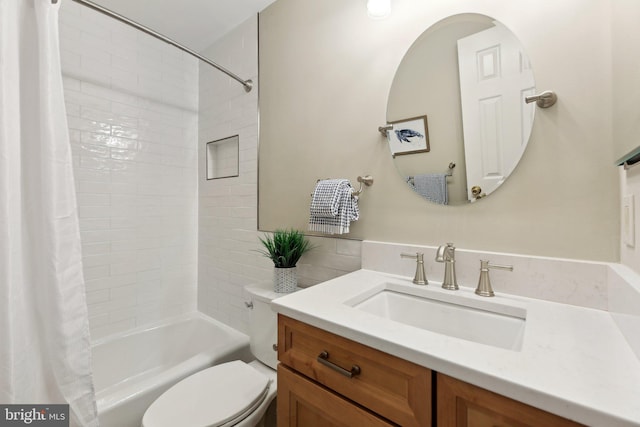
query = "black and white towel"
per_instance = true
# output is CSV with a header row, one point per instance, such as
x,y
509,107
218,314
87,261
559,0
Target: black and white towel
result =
x,y
333,207
432,186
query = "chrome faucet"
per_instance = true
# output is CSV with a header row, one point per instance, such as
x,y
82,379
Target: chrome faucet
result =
x,y
420,278
484,284
447,254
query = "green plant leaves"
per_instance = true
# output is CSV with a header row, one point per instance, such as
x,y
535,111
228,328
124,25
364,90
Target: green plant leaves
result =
x,y
285,247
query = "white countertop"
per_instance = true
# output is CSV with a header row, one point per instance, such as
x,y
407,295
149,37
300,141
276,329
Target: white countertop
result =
x,y
574,361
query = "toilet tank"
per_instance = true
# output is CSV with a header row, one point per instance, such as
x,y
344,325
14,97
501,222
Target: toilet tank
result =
x,y
263,323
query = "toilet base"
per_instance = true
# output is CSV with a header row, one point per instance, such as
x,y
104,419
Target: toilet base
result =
x,y
269,419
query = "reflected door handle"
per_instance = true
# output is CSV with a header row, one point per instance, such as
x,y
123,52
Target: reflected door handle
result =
x,y
543,100
476,192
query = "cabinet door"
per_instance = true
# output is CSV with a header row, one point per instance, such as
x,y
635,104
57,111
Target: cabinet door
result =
x,y
395,389
464,405
303,403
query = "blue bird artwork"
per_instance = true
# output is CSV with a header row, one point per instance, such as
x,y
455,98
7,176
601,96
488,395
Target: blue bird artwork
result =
x,y
404,135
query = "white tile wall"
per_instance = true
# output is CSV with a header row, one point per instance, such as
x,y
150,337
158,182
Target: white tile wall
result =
x,y
228,207
329,259
132,111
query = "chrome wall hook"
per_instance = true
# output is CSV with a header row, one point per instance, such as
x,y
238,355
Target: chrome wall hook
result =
x,y
385,129
450,171
366,180
543,100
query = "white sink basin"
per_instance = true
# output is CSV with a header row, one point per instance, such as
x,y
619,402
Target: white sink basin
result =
x,y
455,314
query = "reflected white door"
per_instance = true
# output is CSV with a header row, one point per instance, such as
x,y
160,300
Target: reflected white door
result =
x,y
495,76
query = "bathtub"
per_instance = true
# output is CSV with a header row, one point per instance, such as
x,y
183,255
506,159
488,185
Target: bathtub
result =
x,y
131,370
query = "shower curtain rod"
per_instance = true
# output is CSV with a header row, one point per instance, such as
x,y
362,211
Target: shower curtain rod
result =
x,y
248,84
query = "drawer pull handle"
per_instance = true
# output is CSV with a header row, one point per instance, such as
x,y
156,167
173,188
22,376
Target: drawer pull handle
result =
x,y
323,358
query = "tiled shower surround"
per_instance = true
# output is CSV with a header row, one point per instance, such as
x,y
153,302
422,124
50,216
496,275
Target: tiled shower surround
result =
x,y
159,240
132,112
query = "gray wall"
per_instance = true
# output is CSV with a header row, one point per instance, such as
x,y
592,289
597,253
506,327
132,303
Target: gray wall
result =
x,y
626,84
626,126
326,70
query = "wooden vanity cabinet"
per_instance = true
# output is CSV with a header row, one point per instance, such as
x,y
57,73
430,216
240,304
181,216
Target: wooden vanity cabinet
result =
x,y
314,389
461,404
314,382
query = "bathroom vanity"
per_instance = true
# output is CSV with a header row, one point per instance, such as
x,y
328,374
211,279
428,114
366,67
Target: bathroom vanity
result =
x,y
349,357
378,389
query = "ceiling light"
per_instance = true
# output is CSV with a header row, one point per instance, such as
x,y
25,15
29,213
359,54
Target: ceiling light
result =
x,y
378,9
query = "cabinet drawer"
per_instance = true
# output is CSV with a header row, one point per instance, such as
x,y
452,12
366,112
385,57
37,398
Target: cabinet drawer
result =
x,y
303,403
385,384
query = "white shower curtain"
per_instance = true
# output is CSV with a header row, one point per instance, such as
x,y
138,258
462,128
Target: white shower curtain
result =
x,y
44,336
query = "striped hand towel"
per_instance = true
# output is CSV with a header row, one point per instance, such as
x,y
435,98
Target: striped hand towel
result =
x,y
332,207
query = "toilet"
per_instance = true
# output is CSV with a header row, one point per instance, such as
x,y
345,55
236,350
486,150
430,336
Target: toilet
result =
x,y
233,393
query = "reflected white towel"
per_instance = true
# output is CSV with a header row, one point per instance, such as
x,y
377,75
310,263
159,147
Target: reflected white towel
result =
x,y
333,207
432,186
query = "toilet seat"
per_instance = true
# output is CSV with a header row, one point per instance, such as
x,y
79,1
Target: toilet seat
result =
x,y
219,396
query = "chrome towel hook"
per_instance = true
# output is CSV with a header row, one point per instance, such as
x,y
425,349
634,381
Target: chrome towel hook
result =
x,y
543,100
363,180
384,129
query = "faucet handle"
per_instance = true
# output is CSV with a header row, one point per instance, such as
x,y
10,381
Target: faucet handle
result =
x,y
484,288
420,277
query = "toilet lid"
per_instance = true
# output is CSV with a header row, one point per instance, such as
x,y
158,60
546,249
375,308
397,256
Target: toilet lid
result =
x,y
214,397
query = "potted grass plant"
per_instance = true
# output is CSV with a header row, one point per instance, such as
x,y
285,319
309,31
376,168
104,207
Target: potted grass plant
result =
x,y
284,248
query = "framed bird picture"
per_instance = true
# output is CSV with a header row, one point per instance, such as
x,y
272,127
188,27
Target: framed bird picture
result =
x,y
409,136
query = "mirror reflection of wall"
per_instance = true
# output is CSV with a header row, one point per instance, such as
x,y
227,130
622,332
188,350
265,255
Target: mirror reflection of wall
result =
x,y
428,82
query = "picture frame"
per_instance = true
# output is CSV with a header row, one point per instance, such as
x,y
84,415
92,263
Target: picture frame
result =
x,y
409,136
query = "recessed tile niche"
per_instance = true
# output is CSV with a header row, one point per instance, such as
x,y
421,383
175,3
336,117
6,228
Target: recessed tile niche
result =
x,y
222,158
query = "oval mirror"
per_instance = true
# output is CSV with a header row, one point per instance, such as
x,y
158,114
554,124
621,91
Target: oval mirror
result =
x,y
460,123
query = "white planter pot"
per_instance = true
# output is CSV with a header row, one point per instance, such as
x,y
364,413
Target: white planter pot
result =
x,y
285,279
